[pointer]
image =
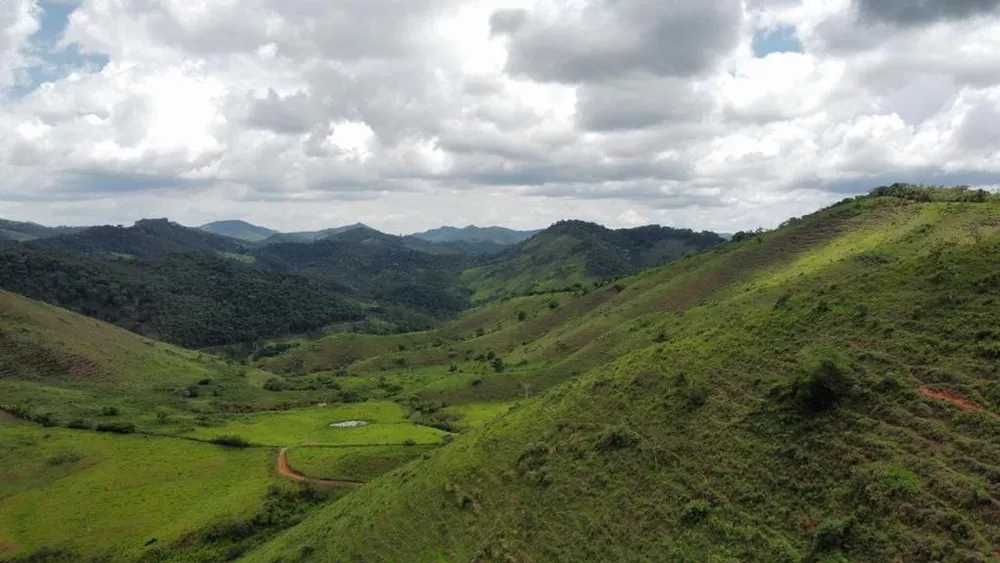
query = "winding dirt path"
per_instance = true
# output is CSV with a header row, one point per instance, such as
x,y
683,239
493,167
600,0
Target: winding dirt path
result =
x,y
286,471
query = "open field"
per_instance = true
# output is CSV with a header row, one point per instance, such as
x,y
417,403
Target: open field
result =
x,y
386,426
94,493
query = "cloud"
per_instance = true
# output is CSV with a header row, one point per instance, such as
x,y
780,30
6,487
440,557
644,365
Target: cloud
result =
x,y
724,114
606,39
920,12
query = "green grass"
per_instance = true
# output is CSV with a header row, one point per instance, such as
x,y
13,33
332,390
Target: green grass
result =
x,y
311,426
352,464
759,402
93,493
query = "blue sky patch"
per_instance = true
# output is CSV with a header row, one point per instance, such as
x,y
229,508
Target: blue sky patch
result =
x,y
54,63
782,39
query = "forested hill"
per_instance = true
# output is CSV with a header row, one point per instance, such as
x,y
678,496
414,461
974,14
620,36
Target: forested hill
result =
x,y
148,239
579,252
187,299
21,231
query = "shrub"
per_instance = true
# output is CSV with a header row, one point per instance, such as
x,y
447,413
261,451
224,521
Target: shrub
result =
x,y
409,442
617,438
823,382
274,384
205,381
695,511
79,424
116,427
110,411
831,535
231,441
521,315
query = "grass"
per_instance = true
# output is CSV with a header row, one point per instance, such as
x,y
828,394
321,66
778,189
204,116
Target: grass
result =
x,y
352,464
311,426
86,492
760,401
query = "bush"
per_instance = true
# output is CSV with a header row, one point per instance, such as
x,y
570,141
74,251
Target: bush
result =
x,y
231,441
617,438
79,424
274,384
831,535
521,315
695,511
116,427
409,442
824,381
110,411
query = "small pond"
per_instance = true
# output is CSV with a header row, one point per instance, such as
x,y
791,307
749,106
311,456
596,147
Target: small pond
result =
x,y
348,424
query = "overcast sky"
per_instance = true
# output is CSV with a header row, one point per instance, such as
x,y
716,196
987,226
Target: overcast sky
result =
x,y
408,114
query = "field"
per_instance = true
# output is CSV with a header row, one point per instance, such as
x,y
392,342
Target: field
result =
x,y
311,426
352,463
93,493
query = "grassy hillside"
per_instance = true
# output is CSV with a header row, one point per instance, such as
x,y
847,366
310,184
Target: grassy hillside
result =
x,y
825,392
21,231
577,253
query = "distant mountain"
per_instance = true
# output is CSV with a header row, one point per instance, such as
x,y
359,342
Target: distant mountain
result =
x,y
311,236
238,230
578,252
15,230
148,239
501,236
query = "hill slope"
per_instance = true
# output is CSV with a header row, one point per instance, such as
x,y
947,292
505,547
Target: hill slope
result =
x,y
498,235
148,239
577,252
825,392
238,230
19,231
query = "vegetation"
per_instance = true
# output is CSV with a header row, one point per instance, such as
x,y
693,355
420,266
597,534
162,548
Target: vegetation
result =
x,y
575,254
825,393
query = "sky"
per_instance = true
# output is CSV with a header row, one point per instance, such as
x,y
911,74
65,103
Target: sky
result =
x,y
409,114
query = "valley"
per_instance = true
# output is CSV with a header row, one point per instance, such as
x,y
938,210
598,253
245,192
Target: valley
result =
x,y
825,391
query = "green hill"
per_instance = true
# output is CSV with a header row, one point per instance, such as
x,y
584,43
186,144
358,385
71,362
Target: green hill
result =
x,y
148,239
20,231
500,236
239,230
579,253
188,299
824,392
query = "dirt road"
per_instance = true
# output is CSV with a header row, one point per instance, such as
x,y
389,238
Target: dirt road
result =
x,y
286,470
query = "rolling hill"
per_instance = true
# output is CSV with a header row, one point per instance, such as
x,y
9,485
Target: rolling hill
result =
x,y
19,231
239,230
579,253
824,392
148,239
500,236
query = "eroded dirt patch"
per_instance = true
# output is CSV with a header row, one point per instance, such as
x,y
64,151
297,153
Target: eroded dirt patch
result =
x,y
286,471
953,398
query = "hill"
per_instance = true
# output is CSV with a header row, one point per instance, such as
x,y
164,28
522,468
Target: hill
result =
x,y
193,300
824,392
19,231
148,239
497,235
311,236
579,253
238,230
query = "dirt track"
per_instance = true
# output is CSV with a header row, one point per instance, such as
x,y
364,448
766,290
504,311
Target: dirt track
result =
x,y
286,471
952,398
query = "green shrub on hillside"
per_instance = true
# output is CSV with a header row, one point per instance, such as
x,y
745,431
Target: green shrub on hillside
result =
x,y
824,380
